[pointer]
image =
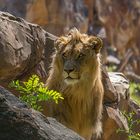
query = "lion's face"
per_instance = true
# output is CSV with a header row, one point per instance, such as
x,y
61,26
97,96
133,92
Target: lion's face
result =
x,y
78,55
76,62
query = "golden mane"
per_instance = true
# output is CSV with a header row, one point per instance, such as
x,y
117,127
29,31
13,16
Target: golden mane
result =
x,y
75,72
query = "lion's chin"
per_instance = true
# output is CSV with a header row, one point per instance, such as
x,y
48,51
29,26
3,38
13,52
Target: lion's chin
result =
x,y
71,81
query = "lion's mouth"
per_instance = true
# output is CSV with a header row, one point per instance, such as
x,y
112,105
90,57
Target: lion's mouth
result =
x,y
71,75
70,80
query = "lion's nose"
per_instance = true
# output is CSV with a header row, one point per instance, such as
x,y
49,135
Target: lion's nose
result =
x,y
69,70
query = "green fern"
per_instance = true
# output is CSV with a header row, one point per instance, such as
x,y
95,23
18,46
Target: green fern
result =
x,y
33,91
131,123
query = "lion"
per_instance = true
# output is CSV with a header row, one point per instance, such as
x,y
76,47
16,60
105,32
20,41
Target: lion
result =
x,y
75,72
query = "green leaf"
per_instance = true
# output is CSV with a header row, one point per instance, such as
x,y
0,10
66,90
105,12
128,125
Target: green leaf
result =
x,y
33,91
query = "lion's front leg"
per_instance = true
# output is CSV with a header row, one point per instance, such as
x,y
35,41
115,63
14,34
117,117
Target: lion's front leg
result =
x,y
97,116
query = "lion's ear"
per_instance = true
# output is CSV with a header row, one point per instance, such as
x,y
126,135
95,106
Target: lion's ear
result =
x,y
60,42
96,43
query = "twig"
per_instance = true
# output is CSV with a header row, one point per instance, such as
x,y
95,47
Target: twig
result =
x,y
126,59
133,77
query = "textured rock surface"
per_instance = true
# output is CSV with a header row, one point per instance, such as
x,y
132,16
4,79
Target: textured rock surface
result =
x,y
15,7
111,93
122,23
116,87
121,84
21,47
39,52
118,18
17,122
65,14
113,120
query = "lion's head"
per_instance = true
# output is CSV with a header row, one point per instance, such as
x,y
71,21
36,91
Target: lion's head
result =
x,y
75,55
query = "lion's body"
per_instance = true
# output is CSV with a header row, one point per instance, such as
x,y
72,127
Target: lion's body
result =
x,y
79,81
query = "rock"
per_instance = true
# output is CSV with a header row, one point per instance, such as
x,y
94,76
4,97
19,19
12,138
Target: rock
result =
x,y
15,7
37,12
111,95
113,60
116,99
65,15
121,84
21,46
121,22
39,45
91,16
18,122
22,54
112,121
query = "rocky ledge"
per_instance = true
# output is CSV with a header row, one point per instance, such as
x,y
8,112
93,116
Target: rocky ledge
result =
x,y
26,49
18,122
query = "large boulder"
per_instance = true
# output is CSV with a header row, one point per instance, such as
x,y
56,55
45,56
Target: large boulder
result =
x,y
22,48
15,7
120,18
26,49
65,13
115,100
18,122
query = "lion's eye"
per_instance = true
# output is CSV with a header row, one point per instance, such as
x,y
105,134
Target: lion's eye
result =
x,y
64,55
81,55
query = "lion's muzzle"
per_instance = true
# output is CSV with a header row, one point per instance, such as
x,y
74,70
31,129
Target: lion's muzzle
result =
x,y
70,77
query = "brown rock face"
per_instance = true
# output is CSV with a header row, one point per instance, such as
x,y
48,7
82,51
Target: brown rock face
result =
x,y
37,12
121,85
19,122
113,120
115,100
19,50
122,23
15,7
57,17
119,18
26,49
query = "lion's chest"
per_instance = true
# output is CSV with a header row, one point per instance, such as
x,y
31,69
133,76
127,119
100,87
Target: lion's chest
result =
x,y
75,113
